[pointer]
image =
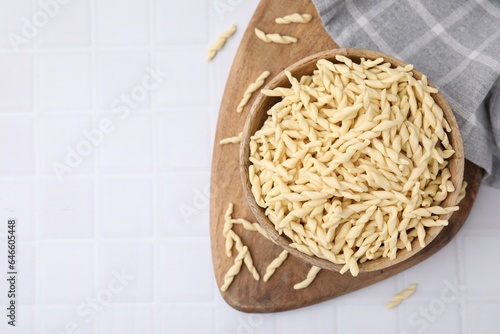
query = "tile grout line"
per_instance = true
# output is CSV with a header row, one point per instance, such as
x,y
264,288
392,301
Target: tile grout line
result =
x,y
95,155
37,204
461,276
211,91
153,38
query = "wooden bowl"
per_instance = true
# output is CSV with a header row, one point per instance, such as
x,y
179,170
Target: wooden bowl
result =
x,y
258,115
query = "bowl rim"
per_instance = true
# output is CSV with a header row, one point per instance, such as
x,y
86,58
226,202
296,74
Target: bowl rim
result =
x,y
457,160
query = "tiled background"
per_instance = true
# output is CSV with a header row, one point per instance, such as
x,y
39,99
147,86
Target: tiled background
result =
x,y
118,212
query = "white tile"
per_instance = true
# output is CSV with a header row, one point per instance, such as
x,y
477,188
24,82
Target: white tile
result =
x,y
67,208
125,207
25,322
228,320
16,86
184,253
133,262
484,211
122,22
66,319
225,12
194,22
17,143
68,25
293,321
185,146
381,289
187,87
183,204
430,316
128,147
64,145
481,276
26,270
65,82
17,200
120,81
375,318
14,31
66,272
178,318
125,320
482,317
432,274
222,63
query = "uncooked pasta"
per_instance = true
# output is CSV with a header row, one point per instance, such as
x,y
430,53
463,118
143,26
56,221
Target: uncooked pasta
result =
x,y
405,294
274,38
352,164
221,41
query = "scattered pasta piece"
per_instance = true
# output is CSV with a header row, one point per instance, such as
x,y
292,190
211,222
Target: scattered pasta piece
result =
x,y
249,226
234,270
311,275
232,140
294,18
351,165
397,299
228,225
252,88
275,264
274,38
221,40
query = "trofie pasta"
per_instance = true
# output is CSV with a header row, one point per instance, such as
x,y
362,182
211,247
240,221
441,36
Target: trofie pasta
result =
x,y
294,18
232,140
274,38
309,279
235,269
275,264
405,294
252,88
244,256
221,41
352,163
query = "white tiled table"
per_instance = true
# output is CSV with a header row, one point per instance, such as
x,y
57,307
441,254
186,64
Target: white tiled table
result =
x,y
106,248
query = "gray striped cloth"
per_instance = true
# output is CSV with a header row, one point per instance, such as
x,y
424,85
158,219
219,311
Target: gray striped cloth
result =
x,y
456,43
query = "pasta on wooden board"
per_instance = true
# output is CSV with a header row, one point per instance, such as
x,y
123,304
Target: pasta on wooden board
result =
x,y
259,82
294,18
274,38
232,140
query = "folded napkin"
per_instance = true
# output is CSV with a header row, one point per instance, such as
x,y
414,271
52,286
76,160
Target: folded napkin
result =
x,y
456,43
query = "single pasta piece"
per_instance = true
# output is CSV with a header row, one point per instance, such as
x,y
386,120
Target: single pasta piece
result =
x,y
219,44
311,275
235,269
294,18
232,140
397,299
252,88
275,264
274,38
249,226
228,225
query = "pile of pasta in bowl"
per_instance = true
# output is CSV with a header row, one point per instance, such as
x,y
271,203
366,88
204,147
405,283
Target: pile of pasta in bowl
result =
x,y
352,163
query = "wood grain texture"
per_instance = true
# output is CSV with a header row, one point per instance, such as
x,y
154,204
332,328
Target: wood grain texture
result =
x,y
246,294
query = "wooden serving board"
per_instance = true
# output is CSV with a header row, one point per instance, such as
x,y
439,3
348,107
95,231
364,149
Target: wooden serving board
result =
x,y
246,294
